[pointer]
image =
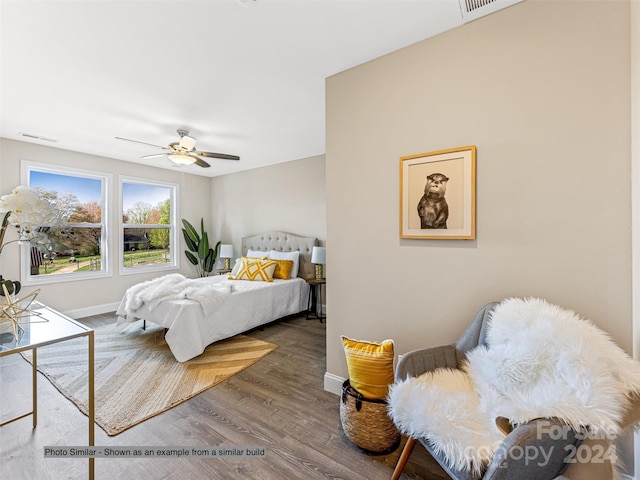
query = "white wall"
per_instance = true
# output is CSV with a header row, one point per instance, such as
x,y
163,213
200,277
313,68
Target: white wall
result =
x,y
289,197
543,90
91,296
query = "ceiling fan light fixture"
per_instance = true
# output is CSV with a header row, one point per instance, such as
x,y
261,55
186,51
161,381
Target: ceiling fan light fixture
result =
x,y
183,152
181,159
188,143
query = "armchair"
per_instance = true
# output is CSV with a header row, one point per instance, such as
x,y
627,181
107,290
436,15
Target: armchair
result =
x,y
509,462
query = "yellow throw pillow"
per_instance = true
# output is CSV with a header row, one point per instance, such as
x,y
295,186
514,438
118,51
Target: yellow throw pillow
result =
x,y
370,366
283,269
255,269
238,265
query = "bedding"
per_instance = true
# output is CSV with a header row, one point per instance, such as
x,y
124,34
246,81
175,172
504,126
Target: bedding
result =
x,y
173,287
198,312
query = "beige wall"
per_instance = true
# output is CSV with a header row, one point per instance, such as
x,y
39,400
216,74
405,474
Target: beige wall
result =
x,y
635,174
543,90
78,298
288,196
635,171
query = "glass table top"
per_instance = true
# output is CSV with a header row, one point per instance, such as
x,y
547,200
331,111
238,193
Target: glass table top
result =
x,y
38,326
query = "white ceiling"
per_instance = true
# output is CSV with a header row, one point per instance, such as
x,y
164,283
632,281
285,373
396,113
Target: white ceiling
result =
x,y
245,77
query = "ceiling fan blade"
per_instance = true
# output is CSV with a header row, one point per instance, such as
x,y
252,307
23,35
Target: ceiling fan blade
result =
x,y
223,156
137,141
201,163
155,155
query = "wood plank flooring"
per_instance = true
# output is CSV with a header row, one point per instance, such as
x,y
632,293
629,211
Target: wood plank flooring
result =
x,y
278,403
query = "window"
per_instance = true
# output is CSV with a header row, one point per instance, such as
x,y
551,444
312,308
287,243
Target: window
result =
x,y
77,248
148,226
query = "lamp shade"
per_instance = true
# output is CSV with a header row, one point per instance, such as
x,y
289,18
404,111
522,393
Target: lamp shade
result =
x,y
226,251
181,159
319,255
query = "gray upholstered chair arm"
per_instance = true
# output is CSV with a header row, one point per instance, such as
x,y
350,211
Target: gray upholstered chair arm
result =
x,y
529,452
417,362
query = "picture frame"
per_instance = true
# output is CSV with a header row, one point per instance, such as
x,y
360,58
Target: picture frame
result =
x,y
437,194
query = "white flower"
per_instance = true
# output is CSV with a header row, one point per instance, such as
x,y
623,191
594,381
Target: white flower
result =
x,y
26,207
27,212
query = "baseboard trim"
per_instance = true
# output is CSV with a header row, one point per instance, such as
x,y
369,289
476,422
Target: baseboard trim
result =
x,y
333,383
621,477
89,311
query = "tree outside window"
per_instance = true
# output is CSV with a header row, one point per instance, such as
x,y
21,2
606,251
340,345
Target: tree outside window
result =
x,y
148,225
76,246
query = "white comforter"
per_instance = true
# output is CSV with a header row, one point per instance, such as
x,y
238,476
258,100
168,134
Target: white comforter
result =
x,y
201,311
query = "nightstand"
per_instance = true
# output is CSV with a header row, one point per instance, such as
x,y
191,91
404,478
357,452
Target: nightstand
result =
x,y
221,271
314,305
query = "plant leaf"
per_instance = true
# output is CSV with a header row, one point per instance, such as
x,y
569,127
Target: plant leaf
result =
x,y
215,250
192,258
209,261
191,245
203,247
190,231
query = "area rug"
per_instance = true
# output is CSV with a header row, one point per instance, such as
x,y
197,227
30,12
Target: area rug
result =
x,y
136,376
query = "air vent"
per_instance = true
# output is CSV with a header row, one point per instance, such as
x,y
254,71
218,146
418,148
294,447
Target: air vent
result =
x,y
472,9
37,137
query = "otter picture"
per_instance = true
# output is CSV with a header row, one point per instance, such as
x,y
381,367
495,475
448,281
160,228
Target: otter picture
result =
x,y
433,208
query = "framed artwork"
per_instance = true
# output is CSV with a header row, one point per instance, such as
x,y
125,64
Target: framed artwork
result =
x,y
437,194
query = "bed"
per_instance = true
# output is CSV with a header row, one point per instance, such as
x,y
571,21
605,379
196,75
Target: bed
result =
x,y
201,311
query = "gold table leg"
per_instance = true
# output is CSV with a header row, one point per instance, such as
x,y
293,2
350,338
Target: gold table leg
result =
x,y
35,387
91,405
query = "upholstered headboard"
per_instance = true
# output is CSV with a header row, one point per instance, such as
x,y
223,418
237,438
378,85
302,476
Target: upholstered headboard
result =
x,y
284,242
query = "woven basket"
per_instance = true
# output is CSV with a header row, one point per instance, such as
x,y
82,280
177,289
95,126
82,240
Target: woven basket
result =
x,y
366,423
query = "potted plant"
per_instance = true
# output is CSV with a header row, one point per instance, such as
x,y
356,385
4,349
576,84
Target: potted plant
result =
x,y
199,252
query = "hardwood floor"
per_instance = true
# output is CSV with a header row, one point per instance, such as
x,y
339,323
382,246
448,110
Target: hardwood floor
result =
x,y
278,403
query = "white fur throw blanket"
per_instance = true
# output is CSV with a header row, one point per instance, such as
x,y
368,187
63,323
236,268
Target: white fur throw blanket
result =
x,y
540,361
173,287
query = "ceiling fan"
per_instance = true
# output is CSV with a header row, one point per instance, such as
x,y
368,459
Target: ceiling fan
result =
x,y
184,151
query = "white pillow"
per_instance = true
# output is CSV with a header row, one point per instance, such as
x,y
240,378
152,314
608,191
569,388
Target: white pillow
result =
x,y
236,267
295,256
257,254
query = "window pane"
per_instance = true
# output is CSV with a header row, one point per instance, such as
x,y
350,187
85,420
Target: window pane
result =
x,y
146,204
72,250
74,198
147,225
77,244
148,246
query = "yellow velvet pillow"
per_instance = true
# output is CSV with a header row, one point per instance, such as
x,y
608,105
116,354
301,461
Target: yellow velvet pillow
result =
x,y
283,269
370,366
255,269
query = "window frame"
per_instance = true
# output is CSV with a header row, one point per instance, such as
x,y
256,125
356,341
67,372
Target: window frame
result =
x,y
105,271
174,259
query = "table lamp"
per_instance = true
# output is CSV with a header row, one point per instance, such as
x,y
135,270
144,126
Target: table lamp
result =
x,y
226,252
319,258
